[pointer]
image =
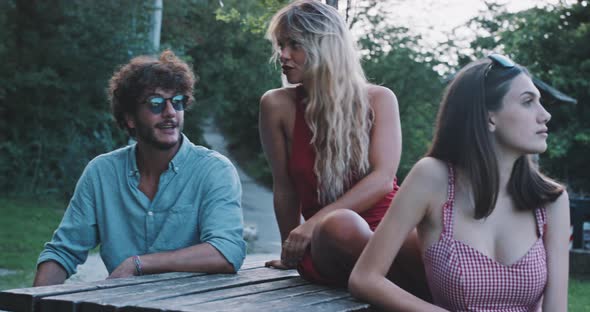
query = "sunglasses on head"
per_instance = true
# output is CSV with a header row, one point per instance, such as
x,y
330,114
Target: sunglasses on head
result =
x,y
499,59
156,104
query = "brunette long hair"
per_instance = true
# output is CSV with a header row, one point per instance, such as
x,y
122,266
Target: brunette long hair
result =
x,y
462,139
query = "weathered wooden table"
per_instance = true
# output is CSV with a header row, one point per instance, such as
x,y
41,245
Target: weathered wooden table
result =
x,y
253,288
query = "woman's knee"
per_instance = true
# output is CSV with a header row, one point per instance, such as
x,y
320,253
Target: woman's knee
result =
x,y
337,241
343,227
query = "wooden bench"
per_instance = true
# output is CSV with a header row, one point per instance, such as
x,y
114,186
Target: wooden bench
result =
x,y
253,288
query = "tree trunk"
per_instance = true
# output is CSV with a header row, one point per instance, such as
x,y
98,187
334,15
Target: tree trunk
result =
x,y
333,3
156,26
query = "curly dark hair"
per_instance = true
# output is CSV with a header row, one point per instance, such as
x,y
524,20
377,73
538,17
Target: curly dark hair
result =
x,y
142,75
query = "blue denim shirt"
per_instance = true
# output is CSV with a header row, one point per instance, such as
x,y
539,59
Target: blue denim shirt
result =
x,y
198,201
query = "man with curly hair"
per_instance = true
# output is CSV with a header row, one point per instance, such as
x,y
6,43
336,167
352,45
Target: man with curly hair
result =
x,y
162,204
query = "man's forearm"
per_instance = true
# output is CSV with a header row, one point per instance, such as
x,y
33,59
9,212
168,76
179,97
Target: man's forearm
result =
x,y
199,258
50,273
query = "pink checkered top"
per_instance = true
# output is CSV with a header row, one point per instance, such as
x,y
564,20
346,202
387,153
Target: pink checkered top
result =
x,y
461,278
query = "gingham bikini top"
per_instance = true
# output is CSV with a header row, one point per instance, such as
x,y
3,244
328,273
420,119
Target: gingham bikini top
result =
x,y
461,278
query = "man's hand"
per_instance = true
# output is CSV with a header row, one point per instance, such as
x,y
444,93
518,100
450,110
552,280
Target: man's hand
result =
x,y
125,269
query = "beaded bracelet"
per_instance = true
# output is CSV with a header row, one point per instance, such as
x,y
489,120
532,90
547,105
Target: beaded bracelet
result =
x,y
138,266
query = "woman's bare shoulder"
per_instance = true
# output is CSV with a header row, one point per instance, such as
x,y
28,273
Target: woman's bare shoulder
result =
x,y
562,202
277,107
431,173
380,95
378,92
428,182
278,96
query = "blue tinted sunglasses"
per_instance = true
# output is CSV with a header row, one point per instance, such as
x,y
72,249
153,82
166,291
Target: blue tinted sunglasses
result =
x,y
156,104
499,59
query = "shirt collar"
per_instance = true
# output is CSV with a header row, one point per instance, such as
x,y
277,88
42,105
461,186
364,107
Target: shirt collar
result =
x,y
175,164
178,160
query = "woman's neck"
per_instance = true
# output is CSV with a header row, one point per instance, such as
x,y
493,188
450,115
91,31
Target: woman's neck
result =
x,y
505,161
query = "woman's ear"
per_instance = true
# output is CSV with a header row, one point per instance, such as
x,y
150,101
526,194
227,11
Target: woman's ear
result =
x,y
491,121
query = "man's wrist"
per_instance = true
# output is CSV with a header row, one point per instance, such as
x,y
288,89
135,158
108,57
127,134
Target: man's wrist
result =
x,y
138,265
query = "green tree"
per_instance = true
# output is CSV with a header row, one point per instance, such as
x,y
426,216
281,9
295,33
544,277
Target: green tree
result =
x,y
393,58
57,59
553,42
232,60
231,56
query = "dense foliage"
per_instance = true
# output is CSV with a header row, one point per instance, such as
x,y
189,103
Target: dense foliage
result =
x,y
58,56
394,59
246,54
56,60
554,43
228,48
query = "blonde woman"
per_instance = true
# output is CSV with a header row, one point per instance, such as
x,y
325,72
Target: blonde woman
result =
x,y
333,142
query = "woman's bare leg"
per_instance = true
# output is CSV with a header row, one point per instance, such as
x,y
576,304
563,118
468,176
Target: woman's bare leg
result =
x,y
339,239
337,242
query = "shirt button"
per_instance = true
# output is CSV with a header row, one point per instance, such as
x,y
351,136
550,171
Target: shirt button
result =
x,y
150,213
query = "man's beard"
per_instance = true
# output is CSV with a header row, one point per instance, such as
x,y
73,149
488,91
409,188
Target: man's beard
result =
x,y
147,135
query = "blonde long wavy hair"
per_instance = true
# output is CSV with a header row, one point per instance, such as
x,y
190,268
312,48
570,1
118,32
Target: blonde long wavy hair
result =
x,y
337,111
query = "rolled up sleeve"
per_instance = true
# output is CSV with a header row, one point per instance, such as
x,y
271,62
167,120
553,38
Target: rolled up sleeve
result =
x,y
221,221
77,232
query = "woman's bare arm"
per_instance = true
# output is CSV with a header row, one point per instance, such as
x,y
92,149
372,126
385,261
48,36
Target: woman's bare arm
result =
x,y
556,239
274,143
421,190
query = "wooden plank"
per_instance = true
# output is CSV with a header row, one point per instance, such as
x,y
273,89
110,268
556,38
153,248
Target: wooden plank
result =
x,y
24,299
236,303
200,285
261,258
258,260
300,301
238,295
252,265
337,305
111,299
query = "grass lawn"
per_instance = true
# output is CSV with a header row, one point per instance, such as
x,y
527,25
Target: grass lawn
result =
x,y
579,295
25,225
